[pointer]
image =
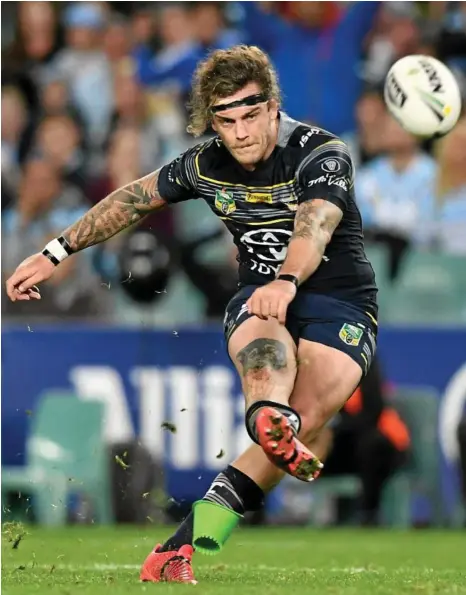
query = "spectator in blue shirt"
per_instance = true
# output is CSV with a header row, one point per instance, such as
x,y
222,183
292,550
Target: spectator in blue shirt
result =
x,y
173,66
38,215
448,219
395,191
316,64
210,27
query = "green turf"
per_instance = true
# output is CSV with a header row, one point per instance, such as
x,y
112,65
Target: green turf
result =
x,y
94,561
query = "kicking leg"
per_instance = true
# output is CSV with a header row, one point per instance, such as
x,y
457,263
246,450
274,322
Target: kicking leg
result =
x,y
325,380
265,356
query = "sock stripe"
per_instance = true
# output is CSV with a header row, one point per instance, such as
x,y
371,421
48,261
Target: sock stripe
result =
x,y
223,492
217,500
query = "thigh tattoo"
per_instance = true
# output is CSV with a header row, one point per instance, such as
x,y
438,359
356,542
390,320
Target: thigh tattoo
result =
x,y
261,354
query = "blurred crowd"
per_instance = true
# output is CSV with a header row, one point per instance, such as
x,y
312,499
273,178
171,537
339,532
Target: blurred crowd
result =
x,y
94,95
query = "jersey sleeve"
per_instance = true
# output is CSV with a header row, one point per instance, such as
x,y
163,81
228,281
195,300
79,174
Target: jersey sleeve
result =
x,y
178,179
326,172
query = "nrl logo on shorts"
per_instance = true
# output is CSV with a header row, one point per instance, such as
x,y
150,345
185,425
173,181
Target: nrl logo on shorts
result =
x,y
224,201
350,334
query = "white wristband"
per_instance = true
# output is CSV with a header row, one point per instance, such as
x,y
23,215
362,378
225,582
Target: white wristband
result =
x,y
57,250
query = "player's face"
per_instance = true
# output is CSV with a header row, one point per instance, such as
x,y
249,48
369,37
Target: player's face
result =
x,y
248,132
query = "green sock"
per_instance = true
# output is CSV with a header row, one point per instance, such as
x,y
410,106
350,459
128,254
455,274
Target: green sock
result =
x,y
213,525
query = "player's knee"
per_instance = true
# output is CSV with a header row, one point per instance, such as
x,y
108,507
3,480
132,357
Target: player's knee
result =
x,y
262,360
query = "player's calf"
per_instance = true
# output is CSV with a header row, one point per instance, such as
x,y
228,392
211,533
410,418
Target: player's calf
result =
x,y
268,368
267,371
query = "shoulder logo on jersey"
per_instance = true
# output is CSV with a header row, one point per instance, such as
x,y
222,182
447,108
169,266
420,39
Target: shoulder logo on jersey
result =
x,y
224,201
259,197
330,166
350,334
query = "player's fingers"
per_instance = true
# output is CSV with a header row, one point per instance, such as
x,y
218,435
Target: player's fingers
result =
x,y
16,278
34,293
273,308
257,309
255,305
30,282
282,309
265,308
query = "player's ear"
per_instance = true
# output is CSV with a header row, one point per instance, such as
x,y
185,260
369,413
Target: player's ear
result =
x,y
213,125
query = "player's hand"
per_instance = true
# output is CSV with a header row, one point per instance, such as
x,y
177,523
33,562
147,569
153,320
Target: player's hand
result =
x,y
272,300
22,285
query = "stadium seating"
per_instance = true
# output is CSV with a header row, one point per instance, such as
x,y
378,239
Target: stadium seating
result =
x,y
430,288
419,409
418,406
66,454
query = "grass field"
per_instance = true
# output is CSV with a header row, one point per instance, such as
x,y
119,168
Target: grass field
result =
x,y
94,561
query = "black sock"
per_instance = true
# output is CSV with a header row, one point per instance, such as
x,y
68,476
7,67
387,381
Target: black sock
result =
x,y
232,489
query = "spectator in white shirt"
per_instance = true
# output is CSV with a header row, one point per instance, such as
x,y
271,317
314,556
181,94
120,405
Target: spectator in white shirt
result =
x,y
394,190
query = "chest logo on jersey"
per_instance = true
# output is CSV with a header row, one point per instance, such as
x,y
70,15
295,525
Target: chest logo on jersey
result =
x,y
259,197
267,244
224,201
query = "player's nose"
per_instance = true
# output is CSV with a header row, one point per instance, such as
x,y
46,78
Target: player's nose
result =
x,y
241,131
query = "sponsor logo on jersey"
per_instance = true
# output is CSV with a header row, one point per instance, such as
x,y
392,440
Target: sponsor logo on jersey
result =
x,y
224,201
266,244
259,197
320,180
330,166
350,334
330,180
305,137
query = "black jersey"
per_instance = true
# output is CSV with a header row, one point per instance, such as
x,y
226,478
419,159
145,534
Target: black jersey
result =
x,y
258,207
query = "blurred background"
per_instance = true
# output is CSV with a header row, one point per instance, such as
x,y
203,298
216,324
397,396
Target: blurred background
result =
x,y
93,96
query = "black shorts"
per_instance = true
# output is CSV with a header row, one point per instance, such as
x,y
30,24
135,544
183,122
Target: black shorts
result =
x,y
318,318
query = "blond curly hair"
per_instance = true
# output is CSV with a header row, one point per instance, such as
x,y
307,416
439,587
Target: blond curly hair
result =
x,y
225,72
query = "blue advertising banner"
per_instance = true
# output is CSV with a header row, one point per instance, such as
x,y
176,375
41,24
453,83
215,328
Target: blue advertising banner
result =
x,y
186,378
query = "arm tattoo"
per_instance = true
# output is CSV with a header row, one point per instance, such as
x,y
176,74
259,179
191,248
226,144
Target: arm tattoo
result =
x,y
316,220
120,209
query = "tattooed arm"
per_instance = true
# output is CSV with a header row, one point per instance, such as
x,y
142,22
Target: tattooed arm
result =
x,y
315,222
120,209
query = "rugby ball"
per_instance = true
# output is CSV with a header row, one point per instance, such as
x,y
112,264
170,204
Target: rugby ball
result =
x,y
423,95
